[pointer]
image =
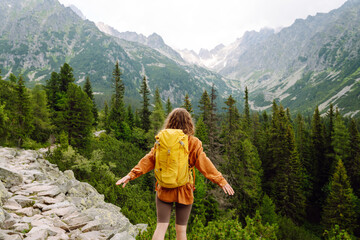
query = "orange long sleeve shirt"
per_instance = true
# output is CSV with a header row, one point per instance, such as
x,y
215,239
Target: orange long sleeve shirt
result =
x,y
183,194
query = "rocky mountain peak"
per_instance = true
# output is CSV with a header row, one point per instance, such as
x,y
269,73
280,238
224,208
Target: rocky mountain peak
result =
x,y
156,37
204,53
217,48
77,11
254,37
133,37
154,40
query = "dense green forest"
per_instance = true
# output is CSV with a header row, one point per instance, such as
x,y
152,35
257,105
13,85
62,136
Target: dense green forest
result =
x,y
294,176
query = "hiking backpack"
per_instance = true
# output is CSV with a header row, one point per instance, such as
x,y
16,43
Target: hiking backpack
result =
x,y
172,159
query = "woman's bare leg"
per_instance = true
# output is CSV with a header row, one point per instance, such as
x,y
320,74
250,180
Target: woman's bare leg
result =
x,y
180,232
160,231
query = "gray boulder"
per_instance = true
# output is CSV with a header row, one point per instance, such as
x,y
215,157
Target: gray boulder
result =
x,y
2,215
10,178
109,219
4,194
122,236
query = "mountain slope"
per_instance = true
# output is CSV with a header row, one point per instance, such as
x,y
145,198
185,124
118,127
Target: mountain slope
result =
x,y
313,62
154,41
38,36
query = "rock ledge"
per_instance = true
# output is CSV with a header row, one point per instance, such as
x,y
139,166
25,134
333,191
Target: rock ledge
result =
x,y
37,201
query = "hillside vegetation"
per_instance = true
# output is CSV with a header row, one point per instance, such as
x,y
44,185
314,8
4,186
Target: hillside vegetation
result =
x,y
294,178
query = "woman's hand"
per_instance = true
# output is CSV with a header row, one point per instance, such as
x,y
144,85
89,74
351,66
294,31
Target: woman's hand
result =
x,y
228,189
123,181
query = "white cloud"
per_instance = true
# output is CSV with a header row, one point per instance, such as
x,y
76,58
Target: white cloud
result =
x,y
200,23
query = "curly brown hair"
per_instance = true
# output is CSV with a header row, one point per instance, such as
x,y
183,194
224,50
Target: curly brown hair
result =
x,y
180,118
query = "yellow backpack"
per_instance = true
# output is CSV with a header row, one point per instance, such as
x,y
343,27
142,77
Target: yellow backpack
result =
x,y
172,159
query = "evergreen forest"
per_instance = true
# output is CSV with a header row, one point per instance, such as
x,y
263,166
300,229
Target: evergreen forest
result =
x,y
295,176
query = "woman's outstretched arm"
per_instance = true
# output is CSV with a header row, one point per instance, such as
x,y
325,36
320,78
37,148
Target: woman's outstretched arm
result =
x,y
123,181
228,189
206,167
146,164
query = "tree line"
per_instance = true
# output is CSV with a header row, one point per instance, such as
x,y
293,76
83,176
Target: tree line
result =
x,y
294,177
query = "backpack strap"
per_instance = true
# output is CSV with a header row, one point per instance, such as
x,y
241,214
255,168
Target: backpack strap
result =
x,y
183,145
192,169
194,178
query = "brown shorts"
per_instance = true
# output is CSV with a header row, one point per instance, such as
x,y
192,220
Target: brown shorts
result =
x,y
163,210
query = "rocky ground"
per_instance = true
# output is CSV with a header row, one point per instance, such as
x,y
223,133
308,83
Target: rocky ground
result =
x,y
37,201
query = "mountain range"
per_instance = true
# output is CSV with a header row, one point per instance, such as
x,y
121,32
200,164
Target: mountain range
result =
x,y
315,61
38,36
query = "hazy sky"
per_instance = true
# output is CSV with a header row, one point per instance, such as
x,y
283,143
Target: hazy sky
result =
x,y
195,24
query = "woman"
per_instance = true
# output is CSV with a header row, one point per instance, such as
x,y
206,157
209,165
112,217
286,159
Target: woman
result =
x,y
182,196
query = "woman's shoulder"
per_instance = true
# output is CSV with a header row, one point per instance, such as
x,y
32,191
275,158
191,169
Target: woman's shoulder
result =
x,y
194,140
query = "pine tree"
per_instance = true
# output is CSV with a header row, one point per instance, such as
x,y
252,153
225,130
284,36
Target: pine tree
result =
x,y
263,142
78,117
66,77
52,89
158,115
303,144
341,141
168,106
288,115
106,118
213,129
56,90
276,135
3,123
41,113
8,101
302,141
255,131
202,132
354,158
244,170
89,92
187,104
230,124
290,195
204,106
64,140
319,172
12,78
7,109
87,88
329,148
337,112
283,172
339,207
157,98
23,114
145,112
130,117
267,211
117,111
247,109
137,120
331,116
